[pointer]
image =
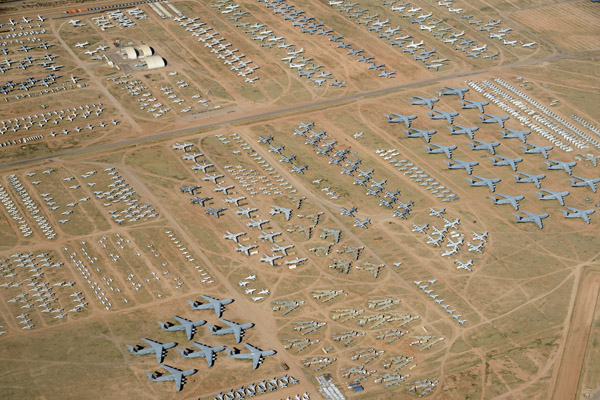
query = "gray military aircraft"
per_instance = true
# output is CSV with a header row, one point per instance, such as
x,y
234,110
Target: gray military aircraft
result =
x,y
535,149
160,349
176,375
208,352
493,119
479,145
449,90
463,130
362,224
349,212
213,304
559,196
184,325
466,165
188,189
299,170
577,213
255,354
515,134
406,119
529,178
420,133
214,211
428,101
553,164
469,104
531,217
234,328
512,162
489,182
438,149
506,199
447,115
201,201
591,182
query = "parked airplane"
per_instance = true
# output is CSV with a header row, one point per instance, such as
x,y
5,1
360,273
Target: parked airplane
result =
x,y
406,119
585,182
512,162
449,116
535,149
176,375
233,236
553,164
269,236
469,104
420,133
362,224
82,45
245,249
207,352
449,90
157,348
421,229
188,189
516,134
493,119
438,149
214,211
255,354
506,199
270,259
577,213
299,170
479,145
465,266
463,130
212,304
224,189
428,101
489,182
531,217
529,178
475,247
349,212
184,325
201,201
466,165
551,195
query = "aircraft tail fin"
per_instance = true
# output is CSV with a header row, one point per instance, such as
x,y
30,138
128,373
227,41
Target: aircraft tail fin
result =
x,y
151,376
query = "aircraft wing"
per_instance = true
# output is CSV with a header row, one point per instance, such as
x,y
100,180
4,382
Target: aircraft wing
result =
x,y
256,357
188,330
178,381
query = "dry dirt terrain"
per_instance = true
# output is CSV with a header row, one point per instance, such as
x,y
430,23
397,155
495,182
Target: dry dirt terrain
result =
x,y
286,158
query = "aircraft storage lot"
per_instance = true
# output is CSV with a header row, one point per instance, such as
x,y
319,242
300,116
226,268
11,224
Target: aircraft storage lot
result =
x,y
330,175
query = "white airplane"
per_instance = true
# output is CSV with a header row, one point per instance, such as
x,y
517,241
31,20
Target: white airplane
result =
x,y
82,45
528,45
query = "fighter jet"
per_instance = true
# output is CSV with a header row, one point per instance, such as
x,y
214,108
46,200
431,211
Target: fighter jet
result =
x,y
515,134
449,90
438,149
529,178
160,349
420,133
233,236
214,211
207,352
535,149
212,304
489,182
577,213
479,145
493,119
512,162
585,182
406,119
506,199
561,165
463,130
176,375
234,328
553,196
531,217
428,101
255,354
184,325
466,165
447,115
469,104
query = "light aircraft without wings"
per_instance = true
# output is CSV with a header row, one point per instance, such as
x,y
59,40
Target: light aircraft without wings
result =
x,y
515,134
428,101
189,327
469,104
493,119
211,304
439,149
577,213
535,149
458,164
489,182
479,145
584,182
531,217
176,375
564,165
463,130
157,348
506,199
255,354
406,119
529,178
551,195
207,352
